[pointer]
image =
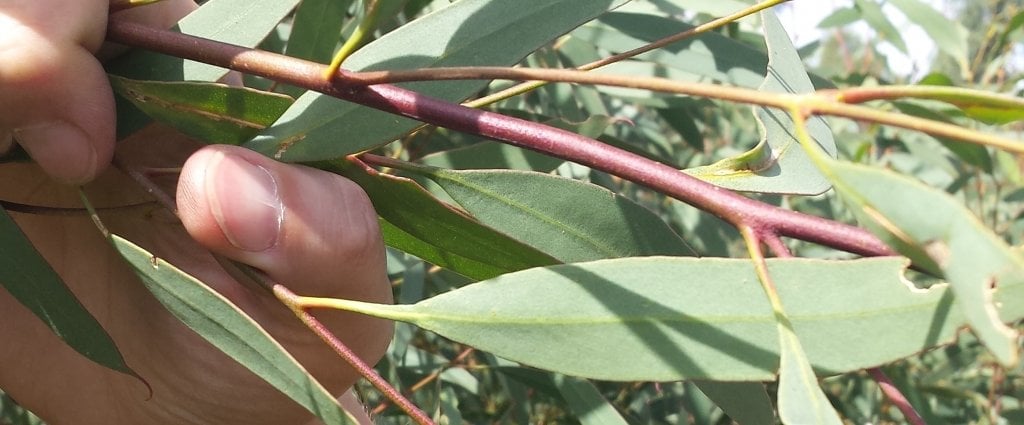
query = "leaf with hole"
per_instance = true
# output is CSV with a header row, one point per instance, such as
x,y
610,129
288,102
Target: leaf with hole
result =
x,y
686,318
942,237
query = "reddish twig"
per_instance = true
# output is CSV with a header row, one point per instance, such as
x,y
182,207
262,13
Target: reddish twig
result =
x,y
725,204
896,397
367,372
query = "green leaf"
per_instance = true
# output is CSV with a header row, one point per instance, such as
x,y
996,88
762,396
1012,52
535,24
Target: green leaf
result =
x,y
568,219
942,237
417,223
210,112
746,403
466,33
316,29
30,279
225,326
239,22
878,21
583,398
801,400
686,318
948,35
776,164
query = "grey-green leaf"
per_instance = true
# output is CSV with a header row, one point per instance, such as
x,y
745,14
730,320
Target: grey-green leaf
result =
x,y
568,219
466,33
801,400
210,112
232,331
30,279
685,318
776,164
941,236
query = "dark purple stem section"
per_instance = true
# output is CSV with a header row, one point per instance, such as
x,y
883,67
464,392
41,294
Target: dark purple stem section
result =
x,y
730,206
896,397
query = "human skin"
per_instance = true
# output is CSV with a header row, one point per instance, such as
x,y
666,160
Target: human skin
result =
x,y
312,231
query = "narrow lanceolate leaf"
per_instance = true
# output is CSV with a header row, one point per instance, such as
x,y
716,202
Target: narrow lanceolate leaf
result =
x,y
210,112
583,398
941,236
686,318
240,22
776,164
801,400
414,221
228,328
466,33
568,219
30,279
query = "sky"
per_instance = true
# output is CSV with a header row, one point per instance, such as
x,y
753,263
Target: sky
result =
x,y
801,18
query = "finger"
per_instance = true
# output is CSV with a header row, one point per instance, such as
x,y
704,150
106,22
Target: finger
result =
x,y
55,99
315,231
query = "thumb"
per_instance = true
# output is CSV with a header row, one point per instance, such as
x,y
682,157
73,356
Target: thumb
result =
x,y
56,99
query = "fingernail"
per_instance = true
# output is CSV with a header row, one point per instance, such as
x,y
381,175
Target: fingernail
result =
x,y
245,203
62,149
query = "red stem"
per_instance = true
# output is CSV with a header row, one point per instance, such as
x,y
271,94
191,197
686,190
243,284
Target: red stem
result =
x,y
723,203
896,397
352,358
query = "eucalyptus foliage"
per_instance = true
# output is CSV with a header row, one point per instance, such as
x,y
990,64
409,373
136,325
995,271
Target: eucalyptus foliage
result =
x,y
594,296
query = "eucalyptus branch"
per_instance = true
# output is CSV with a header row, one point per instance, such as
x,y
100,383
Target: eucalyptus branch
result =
x,y
732,207
827,102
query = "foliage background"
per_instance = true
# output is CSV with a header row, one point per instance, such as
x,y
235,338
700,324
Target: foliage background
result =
x,y
960,383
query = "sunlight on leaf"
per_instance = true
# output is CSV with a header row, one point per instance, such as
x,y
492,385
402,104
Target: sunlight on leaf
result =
x,y
776,164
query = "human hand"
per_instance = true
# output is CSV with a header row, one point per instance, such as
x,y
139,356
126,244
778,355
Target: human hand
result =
x,y
326,243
